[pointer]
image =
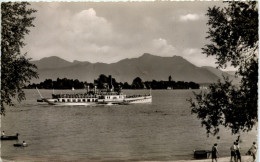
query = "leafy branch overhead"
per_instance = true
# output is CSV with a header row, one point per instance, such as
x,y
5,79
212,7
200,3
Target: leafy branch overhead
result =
x,y
16,70
233,35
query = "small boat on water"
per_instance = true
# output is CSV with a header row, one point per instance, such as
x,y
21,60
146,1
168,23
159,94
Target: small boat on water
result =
x,y
96,97
202,154
10,137
20,144
40,100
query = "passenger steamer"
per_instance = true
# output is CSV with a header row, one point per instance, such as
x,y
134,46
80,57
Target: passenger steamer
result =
x,y
95,97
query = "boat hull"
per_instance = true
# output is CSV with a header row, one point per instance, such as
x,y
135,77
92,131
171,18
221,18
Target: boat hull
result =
x,y
104,100
146,99
73,104
9,138
56,102
19,145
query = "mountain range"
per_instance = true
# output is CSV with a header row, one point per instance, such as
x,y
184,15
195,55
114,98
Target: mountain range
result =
x,y
148,67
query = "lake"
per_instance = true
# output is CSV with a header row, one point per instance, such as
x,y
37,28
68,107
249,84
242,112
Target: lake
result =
x,y
162,130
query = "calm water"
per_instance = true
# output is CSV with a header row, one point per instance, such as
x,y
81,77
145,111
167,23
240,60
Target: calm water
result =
x,y
162,130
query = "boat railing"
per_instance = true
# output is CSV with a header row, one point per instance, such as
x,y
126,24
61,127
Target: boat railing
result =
x,y
134,96
56,96
89,94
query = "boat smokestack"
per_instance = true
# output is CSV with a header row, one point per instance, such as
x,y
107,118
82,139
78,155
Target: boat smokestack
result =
x,y
110,84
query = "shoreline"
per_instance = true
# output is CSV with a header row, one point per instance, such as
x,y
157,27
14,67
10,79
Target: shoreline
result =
x,y
35,159
245,158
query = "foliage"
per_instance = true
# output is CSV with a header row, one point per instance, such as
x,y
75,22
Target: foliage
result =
x,y
16,70
171,84
103,82
233,35
137,83
126,86
59,84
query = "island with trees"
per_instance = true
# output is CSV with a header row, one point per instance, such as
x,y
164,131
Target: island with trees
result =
x,y
102,82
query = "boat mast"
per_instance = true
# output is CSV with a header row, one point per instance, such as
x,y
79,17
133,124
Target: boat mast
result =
x,y
112,88
39,92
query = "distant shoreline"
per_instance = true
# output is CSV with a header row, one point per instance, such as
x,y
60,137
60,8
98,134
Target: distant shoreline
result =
x,y
107,82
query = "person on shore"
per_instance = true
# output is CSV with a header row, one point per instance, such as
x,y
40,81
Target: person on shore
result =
x,y
238,155
233,152
253,151
3,133
214,152
24,144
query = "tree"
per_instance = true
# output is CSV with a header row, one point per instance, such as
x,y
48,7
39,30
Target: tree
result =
x,y
16,70
233,35
137,83
126,86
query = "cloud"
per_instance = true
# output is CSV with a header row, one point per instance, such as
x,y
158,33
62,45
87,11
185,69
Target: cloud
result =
x,y
87,27
189,17
81,35
195,56
191,51
85,36
161,47
95,32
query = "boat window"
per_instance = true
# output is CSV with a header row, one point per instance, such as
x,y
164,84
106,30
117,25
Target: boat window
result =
x,y
63,100
88,100
74,100
84,100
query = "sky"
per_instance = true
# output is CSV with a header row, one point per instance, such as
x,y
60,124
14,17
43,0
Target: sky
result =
x,y
111,31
